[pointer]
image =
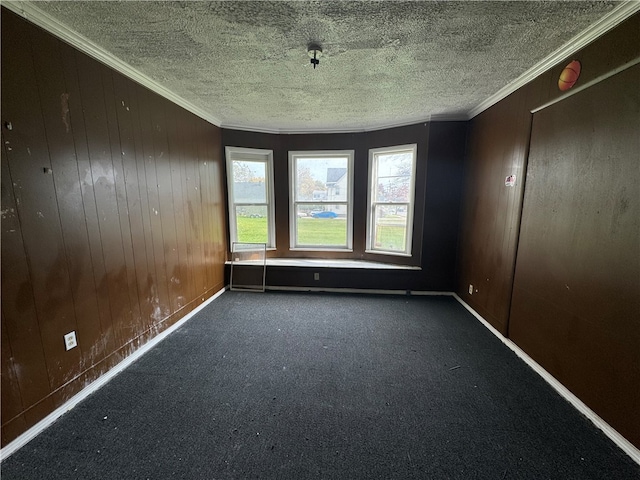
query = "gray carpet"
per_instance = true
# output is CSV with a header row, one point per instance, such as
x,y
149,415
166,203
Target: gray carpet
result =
x,y
330,386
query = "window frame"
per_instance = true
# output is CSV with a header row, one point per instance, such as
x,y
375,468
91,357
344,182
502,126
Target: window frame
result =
x,y
244,154
293,217
371,188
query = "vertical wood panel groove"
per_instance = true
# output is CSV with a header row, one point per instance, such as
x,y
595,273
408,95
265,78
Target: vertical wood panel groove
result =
x,y
23,297
89,205
54,78
127,312
126,146
93,99
147,307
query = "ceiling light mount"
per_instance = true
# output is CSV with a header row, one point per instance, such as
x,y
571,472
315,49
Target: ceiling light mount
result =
x,y
315,52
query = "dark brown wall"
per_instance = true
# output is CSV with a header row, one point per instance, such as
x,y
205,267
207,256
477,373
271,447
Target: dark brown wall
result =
x,y
113,219
497,148
576,299
579,316
438,189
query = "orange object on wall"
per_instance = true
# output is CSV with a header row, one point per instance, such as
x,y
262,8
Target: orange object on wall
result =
x,y
569,76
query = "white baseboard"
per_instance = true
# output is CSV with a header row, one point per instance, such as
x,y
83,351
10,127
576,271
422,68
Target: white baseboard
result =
x,y
608,430
370,291
39,427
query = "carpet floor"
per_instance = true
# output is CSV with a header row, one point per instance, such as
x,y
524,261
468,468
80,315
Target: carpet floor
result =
x,y
324,386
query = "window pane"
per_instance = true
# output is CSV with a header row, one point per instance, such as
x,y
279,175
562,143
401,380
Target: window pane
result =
x,y
251,223
322,225
394,164
390,227
321,179
249,182
393,189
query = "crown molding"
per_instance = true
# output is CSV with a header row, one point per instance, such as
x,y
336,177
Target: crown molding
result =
x,y
43,20
606,23
302,131
386,126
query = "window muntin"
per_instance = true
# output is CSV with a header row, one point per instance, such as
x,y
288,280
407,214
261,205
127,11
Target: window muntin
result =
x,y
250,185
391,199
321,200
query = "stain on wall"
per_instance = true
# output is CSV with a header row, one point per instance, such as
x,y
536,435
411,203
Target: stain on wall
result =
x,y
113,221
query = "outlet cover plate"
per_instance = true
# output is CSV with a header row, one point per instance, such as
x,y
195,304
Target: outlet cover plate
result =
x,y
70,340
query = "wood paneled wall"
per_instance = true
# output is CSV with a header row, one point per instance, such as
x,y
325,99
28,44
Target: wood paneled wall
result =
x,y
585,339
439,170
113,221
576,297
497,148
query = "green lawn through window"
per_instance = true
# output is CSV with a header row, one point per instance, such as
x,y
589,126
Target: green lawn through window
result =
x,y
390,238
252,230
319,232
327,232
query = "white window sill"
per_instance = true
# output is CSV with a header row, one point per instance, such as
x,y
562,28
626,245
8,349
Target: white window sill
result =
x,y
320,249
335,263
382,252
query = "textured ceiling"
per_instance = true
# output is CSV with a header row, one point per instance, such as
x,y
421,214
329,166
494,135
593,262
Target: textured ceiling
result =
x,y
384,63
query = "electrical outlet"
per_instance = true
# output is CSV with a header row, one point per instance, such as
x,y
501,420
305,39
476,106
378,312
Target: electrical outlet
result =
x,y
316,276
470,289
70,340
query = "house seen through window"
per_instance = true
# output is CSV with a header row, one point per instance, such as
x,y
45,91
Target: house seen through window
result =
x,y
321,200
